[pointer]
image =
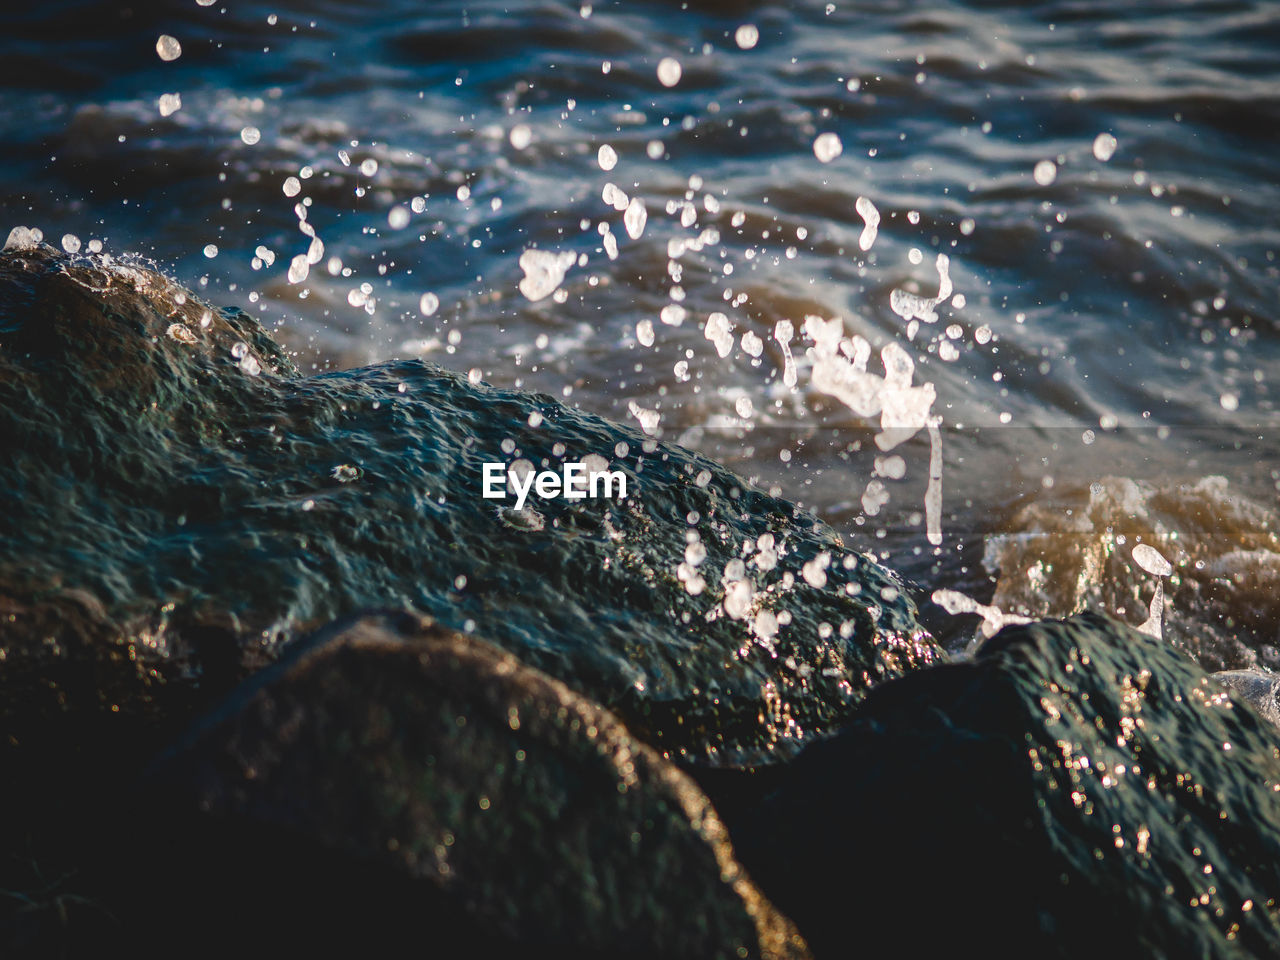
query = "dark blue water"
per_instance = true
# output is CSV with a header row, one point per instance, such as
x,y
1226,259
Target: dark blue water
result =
x,y
1102,178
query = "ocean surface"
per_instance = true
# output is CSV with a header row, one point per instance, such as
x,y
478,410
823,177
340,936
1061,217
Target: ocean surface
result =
x,y
1068,300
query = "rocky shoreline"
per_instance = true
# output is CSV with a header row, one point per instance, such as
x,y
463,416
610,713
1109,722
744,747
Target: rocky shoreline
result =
x,y
268,662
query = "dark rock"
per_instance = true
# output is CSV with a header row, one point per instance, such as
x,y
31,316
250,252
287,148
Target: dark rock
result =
x,y
1078,790
463,798
177,504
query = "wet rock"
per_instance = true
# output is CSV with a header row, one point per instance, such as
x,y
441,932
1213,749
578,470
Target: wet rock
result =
x,y
487,806
1079,789
175,477
1073,549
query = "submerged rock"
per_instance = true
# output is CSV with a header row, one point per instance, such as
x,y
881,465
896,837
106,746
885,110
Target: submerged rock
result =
x,y
498,812
193,504
1079,789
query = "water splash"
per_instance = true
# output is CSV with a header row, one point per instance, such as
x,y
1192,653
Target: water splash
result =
x,y
543,272
871,218
993,618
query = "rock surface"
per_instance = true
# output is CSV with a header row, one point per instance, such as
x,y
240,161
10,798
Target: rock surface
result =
x,y
192,504
522,819
1078,790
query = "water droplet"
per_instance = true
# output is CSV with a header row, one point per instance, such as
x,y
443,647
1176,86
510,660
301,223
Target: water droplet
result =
x,y
644,333
746,36
1151,560
543,272
369,167
250,135
169,103
346,472
827,147
1045,173
648,418
737,599
521,136
398,217
815,571
717,331
613,196
299,268
292,186
428,304
607,157
871,218
783,331
168,47
71,243
1104,146
210,250
669,71
635,218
